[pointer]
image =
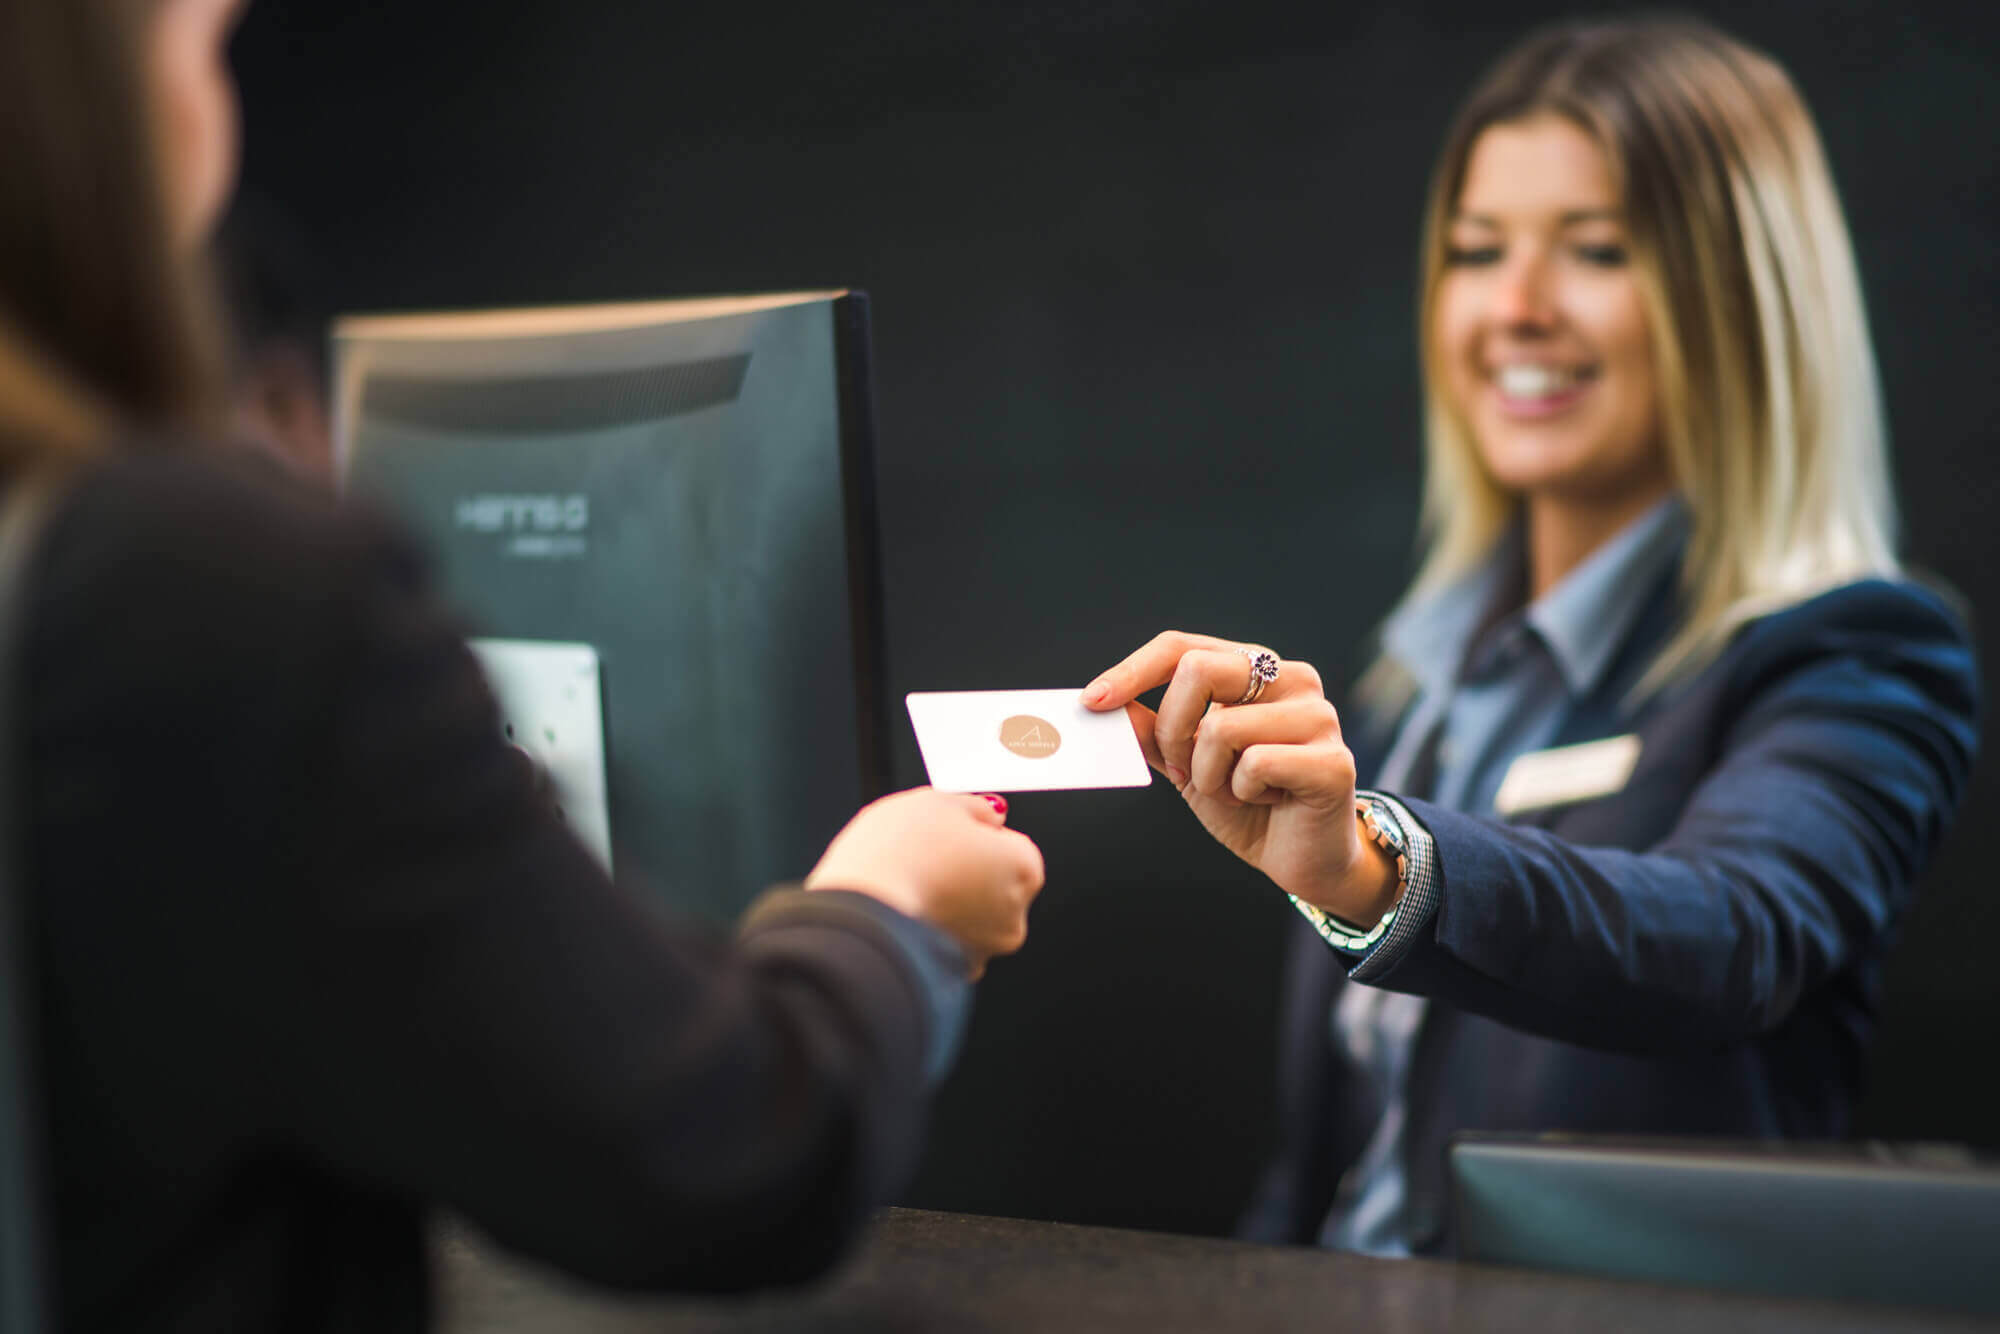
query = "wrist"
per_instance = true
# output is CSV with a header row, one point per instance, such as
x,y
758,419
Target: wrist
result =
x,y
890,890
1373,881
1379,874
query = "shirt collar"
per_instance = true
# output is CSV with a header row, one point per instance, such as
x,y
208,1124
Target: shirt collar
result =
x,y
1583,619
1428,635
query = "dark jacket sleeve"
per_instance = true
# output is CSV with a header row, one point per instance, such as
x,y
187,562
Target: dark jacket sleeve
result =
x,y
1848,733
370,943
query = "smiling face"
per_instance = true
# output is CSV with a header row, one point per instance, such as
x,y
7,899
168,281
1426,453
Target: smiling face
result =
x,y
1541,334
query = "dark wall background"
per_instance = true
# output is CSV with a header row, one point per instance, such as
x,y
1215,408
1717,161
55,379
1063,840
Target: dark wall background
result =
x,y
1142,277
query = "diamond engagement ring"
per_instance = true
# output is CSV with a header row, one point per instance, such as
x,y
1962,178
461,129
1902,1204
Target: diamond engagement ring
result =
x,y
1263,671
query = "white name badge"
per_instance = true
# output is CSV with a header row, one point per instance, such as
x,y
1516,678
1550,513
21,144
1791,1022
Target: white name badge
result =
x,y
1567,774
1022,741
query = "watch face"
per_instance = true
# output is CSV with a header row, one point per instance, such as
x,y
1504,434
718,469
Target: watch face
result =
x,y
1384,827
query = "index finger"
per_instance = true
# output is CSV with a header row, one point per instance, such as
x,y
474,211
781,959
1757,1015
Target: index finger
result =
x,y
1151,666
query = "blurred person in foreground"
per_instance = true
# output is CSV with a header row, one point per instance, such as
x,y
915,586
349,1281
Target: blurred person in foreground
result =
x,y
309,953
1660,738
276,323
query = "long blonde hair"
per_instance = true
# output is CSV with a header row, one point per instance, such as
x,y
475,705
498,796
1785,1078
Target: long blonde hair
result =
x,y
1771,411
105,330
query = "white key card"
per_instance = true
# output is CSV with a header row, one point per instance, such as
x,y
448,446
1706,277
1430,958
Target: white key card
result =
x,y
1023,741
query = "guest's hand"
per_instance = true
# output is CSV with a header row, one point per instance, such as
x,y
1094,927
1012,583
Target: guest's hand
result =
x,y
945,859
1266,771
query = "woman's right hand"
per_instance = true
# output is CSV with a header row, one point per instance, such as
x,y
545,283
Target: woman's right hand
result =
x,y
942,858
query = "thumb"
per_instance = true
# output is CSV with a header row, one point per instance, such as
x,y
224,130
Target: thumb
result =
x,y
1144,724
987,807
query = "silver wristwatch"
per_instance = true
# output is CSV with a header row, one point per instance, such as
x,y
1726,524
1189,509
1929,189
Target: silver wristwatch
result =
x,y
1387,832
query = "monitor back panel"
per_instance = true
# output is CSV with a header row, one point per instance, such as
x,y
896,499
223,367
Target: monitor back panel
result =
x,y
1916,1227
677,495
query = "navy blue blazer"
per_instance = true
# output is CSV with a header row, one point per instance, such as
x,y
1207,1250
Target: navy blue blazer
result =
x,y
1699,953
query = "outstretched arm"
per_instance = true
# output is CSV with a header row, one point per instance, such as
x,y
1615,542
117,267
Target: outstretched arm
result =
x,y
1854,722
1796,852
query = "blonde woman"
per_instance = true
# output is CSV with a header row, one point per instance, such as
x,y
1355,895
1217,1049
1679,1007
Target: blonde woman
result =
x,y
1660,736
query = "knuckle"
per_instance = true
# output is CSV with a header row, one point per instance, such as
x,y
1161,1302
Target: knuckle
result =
x,y
1216,728
1309,674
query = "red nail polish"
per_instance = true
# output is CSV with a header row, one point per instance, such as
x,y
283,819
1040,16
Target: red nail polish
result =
x,y
998,802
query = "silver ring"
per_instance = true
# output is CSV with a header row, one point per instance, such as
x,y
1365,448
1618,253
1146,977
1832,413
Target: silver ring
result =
x,y
1263,671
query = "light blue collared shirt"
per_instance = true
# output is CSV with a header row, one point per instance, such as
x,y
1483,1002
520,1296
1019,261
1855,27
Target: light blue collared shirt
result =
x,y
1491,687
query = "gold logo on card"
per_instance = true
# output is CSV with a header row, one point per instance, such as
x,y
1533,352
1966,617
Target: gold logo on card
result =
x,y
1030,737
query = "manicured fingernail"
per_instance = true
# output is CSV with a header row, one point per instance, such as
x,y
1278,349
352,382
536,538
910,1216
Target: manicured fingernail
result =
x,y
1096,692
996,801
1179,776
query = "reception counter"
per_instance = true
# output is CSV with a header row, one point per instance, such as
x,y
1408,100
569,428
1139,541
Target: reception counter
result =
x,y
917,1271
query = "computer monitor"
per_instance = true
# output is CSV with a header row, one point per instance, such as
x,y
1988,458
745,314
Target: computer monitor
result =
x,y
666,508
1899,1224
